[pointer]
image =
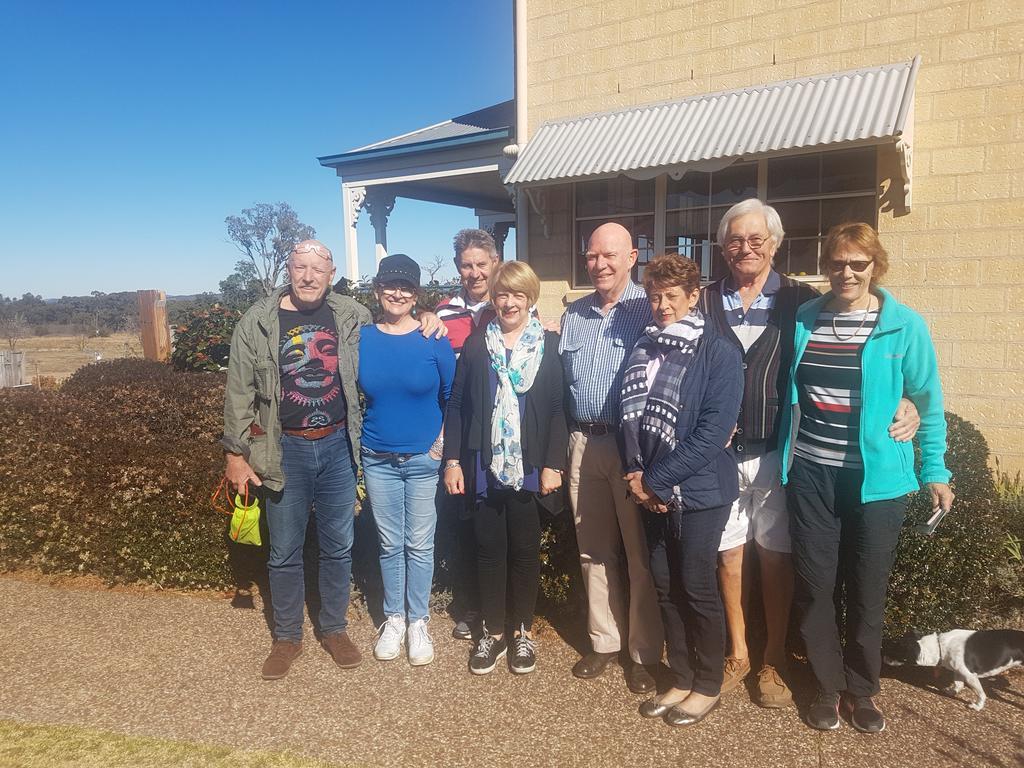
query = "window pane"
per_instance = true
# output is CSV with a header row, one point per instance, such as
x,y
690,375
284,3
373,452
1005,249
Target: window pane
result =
x,y
735,183
793,176
799,219
688,233
850,170
691,191
803,257
614,197
848,209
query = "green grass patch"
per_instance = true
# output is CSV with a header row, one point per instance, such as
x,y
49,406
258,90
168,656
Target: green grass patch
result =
x,y
63,746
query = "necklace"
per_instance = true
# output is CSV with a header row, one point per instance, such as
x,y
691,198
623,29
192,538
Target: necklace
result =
x,y
863,319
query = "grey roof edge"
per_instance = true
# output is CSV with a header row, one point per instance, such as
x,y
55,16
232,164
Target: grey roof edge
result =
x,y
335,161
911,64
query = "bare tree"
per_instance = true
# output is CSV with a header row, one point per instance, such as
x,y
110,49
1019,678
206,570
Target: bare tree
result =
x,y
266,235
13,327
434,266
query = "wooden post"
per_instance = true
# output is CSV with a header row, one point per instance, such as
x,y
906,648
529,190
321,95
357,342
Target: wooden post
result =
x,y
156,333
12,369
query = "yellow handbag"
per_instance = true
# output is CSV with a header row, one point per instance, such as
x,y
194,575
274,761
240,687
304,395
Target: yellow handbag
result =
x,y
245,517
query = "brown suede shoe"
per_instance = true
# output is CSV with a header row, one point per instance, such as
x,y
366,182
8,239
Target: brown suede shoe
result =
x,y
280,659
772,691
735,671
342,650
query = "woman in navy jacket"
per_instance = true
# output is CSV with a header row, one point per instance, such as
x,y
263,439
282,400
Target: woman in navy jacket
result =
x,y
680,400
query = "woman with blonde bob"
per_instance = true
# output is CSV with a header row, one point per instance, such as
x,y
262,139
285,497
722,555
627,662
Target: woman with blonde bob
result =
x,y
681,396
848,482
505,448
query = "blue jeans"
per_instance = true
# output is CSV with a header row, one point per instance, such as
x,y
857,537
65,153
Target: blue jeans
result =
x,y
319,477
402,489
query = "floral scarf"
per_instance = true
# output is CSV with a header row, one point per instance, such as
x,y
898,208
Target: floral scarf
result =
x,y
514,378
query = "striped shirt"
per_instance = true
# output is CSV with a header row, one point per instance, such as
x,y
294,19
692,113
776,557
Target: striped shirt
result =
x,y
594,348
829,385
462,318
748,326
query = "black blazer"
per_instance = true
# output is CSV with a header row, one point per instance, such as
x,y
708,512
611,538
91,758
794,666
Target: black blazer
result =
x,y
467,423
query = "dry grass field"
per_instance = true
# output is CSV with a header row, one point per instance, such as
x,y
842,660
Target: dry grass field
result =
x,y
57,357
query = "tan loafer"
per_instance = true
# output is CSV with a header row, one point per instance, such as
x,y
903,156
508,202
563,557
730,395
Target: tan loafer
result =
x,y
772,691
734,673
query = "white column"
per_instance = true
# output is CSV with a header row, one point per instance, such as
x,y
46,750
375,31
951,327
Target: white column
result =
x,y
352,200
380,205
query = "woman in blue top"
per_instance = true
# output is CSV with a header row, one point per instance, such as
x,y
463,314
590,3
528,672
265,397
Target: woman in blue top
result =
x,y
406,379
857,352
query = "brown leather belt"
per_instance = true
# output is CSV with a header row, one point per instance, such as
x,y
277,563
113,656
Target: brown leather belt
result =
x,y
594,429
317,432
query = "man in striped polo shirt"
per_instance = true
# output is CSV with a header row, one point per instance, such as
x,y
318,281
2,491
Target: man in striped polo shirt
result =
x,y
476,256
598,333
756,307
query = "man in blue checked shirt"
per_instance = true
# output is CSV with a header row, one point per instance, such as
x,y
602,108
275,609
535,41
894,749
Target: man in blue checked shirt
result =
x,y
598,332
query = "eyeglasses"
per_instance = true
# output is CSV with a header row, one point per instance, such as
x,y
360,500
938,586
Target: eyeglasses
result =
x,y
319,250
838,267
756,242
399,288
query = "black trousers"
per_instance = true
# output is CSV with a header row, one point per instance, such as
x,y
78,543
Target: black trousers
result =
x,y
507,528
837,541
684,561
456,544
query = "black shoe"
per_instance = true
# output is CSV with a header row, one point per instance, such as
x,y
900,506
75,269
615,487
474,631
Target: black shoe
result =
x,y
824,712
639,678
864,715
524,656
464,627
593,664
488,651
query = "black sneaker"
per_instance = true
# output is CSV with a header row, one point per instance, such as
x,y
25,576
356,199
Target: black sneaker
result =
x,y
864,715
464,627
824,712
524,655
488,651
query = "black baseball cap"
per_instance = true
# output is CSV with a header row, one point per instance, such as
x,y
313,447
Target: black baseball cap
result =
x,y
396,267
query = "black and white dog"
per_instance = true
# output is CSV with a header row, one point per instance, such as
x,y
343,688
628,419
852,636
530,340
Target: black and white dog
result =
x,y
968,654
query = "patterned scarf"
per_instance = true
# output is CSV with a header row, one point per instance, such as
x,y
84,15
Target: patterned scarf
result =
x,y
650,408
514,378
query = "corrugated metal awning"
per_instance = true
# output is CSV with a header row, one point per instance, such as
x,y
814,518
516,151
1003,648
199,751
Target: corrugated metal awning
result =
x,y
862,105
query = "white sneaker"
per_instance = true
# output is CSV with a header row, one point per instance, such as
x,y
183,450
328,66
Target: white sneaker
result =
x,y
389,642
421,644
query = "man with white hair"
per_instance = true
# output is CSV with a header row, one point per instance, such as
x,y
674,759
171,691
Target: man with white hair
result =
x,y
291,429
755,307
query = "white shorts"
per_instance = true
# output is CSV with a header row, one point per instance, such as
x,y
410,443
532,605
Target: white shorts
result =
x,y
760,511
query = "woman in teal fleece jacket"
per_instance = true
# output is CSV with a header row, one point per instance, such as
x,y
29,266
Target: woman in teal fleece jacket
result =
x,y
858,351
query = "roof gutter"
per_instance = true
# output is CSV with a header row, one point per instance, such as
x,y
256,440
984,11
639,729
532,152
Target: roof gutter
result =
x,y
335,161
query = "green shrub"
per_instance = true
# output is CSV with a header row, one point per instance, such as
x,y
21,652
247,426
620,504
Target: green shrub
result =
x,y
949,579
202,341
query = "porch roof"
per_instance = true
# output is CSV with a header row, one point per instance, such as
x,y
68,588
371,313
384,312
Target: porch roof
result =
x,y
862,106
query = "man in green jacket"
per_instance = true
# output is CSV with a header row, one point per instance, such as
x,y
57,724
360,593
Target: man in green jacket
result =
x,y
291,426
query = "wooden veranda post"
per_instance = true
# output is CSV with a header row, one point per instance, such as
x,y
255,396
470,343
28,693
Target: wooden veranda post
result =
x,y
156,333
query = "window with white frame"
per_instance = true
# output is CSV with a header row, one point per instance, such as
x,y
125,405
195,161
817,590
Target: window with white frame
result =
x,y
812,193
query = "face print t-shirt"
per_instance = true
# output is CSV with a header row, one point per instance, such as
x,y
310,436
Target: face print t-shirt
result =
x,y
311,394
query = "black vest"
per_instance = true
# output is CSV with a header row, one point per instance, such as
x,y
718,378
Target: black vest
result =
x,y
765,365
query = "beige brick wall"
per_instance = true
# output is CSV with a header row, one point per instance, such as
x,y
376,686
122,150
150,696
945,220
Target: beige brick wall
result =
x,y
958,257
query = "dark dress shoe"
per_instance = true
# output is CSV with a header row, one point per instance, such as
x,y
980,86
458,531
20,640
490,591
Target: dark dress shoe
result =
x,y
653,707
677,717
638,678
593,664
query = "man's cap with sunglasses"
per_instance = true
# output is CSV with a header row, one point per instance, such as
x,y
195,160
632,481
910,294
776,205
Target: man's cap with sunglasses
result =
x,y
398,267
314,246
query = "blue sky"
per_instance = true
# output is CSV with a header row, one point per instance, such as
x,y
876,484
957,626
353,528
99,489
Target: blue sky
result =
x,y
129,130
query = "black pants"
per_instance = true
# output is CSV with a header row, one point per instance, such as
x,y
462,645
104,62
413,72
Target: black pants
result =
x,y
507,528
684,562
456,545
838,539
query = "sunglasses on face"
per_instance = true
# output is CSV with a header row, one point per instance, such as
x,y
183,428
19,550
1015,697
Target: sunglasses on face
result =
x,y
398,288
836,267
